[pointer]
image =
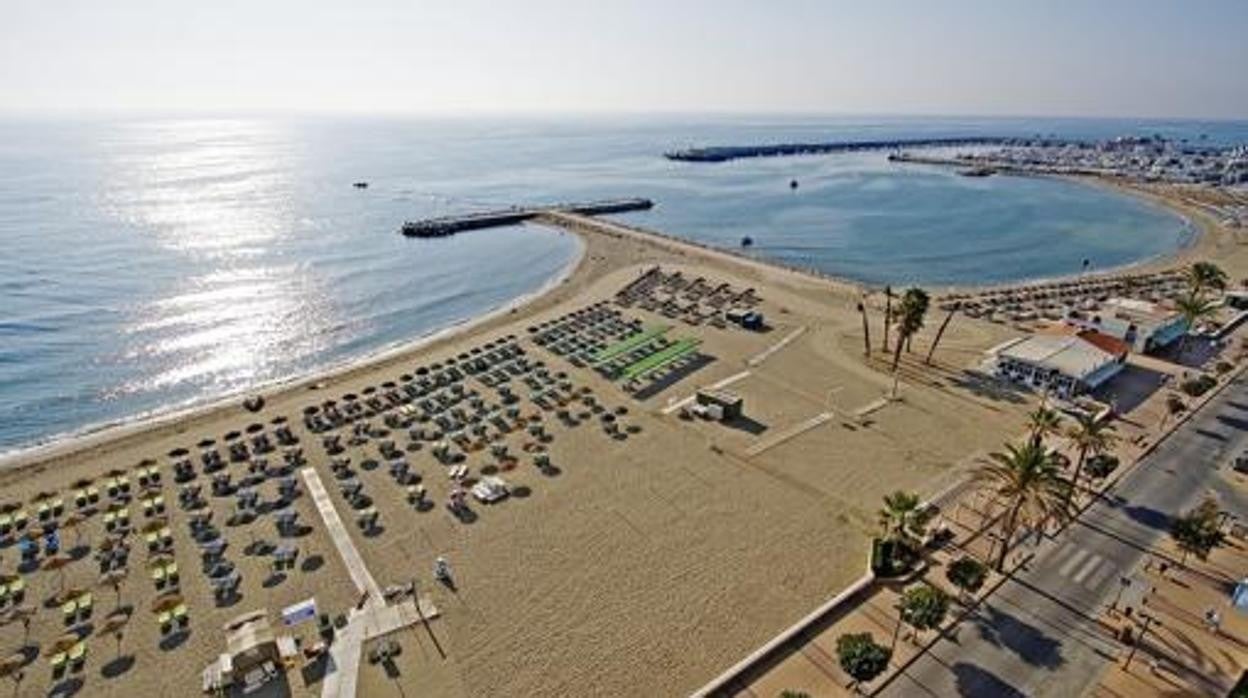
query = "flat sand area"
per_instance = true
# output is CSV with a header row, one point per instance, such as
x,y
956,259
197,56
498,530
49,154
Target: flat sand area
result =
x,y
641,565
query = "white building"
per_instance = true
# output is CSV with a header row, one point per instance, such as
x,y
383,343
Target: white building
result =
x,y
1144,326
1064,364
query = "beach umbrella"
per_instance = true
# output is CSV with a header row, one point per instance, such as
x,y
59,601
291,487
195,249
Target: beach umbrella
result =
x,y
255,428
350,397
159,560
147,463
278,420
11,665
311,409
113,623
20,614
389,385
168,602
73,522
43,496
114,579
57,563
154,524
81,483
9,507
63,643
68,595
206,443
231,436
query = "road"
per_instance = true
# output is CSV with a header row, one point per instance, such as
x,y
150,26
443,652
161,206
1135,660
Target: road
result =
x,y
1035,636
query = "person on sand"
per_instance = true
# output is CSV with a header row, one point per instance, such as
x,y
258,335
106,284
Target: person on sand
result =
x,y
442,571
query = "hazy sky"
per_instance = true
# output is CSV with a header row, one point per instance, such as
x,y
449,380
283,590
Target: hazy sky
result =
x,y
1058,57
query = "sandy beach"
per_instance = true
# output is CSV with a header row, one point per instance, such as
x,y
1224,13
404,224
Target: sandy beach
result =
x,y
678,548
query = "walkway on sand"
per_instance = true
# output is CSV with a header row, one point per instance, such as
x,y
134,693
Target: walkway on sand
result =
x,y
360,575
373,618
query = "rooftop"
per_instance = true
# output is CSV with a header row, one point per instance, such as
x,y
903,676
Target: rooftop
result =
x,y
1071,355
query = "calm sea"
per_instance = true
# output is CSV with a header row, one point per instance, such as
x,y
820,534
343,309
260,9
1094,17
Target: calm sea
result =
x,y
154,263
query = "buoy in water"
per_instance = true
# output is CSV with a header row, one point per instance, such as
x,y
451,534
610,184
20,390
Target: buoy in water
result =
x,y
747,241
792,184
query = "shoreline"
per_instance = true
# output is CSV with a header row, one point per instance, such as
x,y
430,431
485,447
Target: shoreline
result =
x,y
67,444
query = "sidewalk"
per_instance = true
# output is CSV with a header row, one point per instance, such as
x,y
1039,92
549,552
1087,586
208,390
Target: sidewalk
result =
x,y
1181,654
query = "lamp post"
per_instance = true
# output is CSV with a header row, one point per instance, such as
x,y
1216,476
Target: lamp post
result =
x,y
1123,583
1148,621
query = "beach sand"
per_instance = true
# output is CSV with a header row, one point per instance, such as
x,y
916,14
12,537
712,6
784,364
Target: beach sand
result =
x,y
637,567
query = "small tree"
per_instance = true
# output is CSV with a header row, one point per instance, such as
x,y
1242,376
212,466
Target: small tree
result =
x,y
861,657
923,607
967,574
1199,530
904,519
1042,422
1174,408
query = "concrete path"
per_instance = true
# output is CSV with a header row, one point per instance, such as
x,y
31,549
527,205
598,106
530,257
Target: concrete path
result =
x,y
360,575
760,358
789,433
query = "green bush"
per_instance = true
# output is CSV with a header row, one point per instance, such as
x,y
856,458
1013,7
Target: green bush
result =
x,y
1224,367
1100,466
861,656
923,607
967,574
1198,386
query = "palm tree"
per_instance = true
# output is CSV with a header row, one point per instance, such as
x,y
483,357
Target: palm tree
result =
x,y
866,327
903,518
1029,481
888,314
953,309
1194,308
1043,421
1205,276
910,314
1091,436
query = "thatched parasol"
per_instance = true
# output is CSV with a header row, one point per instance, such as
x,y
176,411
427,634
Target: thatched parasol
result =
x,y
114,623
168,602
146,463
64,643
179,452
255,428
12,664
206,443
154,524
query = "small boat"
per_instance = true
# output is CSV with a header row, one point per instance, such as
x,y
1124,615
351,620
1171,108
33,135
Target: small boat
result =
x,y
977,172
792,184
360,185
747,241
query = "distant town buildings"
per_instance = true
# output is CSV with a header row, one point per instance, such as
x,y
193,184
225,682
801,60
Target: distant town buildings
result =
x,y
1150,158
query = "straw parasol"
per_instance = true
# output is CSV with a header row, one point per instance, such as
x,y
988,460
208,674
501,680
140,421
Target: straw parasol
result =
x,y
20,614
146,463
63,643
232,436
155,524
168,602
206,443
57,563
255,428
114,579
11,666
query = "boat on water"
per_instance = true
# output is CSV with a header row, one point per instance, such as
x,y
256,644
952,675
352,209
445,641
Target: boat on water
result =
x,y
977,172
360,185
747,241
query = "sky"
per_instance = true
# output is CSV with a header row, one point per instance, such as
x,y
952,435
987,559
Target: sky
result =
x,y
1144,58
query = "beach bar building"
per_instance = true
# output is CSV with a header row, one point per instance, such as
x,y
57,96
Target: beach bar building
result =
x,y
1064,364
1144,326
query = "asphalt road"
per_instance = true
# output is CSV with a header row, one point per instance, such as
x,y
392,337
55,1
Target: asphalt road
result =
x,y
1034,637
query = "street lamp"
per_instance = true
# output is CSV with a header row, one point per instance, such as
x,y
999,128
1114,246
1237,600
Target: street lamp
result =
x,y
1123,583
1148,621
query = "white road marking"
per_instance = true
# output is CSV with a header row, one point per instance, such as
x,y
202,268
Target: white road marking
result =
x,y
1074,560
776,347
1095,580
1091,564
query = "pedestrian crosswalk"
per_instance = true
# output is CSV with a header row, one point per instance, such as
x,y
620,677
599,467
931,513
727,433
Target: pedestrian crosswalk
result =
x,y
1082,566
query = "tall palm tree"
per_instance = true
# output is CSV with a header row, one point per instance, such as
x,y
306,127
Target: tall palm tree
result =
x,y
1194,308
1205,276
888,314
903,518
953,309
866,327
910,314
1091,436
1041,422
1029,481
